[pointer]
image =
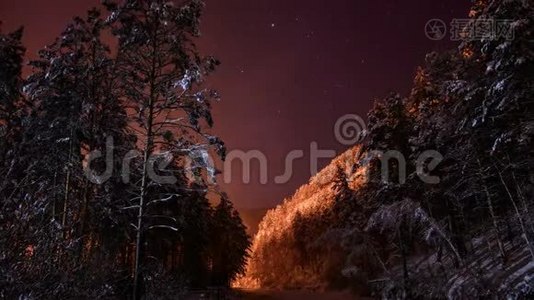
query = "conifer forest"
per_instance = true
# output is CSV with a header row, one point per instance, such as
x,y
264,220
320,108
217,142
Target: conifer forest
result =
x,y
138,163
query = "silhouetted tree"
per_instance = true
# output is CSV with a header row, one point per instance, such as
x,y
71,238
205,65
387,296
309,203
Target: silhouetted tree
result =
x,y
160,74
229,244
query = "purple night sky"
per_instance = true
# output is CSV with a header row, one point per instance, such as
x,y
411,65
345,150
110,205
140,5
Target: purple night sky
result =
x,y
289,68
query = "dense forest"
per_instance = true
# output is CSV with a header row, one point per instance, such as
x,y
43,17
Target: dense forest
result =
x,y
470,235
105,187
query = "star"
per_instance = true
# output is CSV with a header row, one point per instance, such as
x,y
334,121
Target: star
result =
x,y
240,69
273,25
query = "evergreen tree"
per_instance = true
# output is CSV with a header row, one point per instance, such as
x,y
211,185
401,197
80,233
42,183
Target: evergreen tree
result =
x,y
71,137
160,76
76,111
12,52
228,232
12,113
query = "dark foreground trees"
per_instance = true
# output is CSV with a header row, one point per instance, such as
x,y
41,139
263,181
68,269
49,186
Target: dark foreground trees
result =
x,y
11,56
159,73
105,161
467,235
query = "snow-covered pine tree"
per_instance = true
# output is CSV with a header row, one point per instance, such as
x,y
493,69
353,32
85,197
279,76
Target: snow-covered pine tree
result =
x,y
12,244
75,110
161,74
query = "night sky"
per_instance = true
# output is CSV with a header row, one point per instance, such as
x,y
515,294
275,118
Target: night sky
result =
x,y
289,69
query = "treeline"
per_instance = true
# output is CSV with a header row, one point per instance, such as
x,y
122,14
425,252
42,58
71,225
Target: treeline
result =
x,y
104,161
408,239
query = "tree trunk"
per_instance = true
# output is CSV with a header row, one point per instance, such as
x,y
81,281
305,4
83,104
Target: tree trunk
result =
x,y
84,212
67,189
448,241
142,198
65,203
495,225
54,200
144,180
519,217
493,216
400,233
523,202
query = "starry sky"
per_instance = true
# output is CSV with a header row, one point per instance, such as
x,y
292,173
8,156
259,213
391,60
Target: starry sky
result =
x,y
290,69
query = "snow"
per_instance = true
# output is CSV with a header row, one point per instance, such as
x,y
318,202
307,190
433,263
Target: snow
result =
x,y
455,291
496,144
520,61
500,85
522,272
187,80
503,46
63,140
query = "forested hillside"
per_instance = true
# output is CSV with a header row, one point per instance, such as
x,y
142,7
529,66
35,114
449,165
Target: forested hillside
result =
x,y
102,193
468,235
